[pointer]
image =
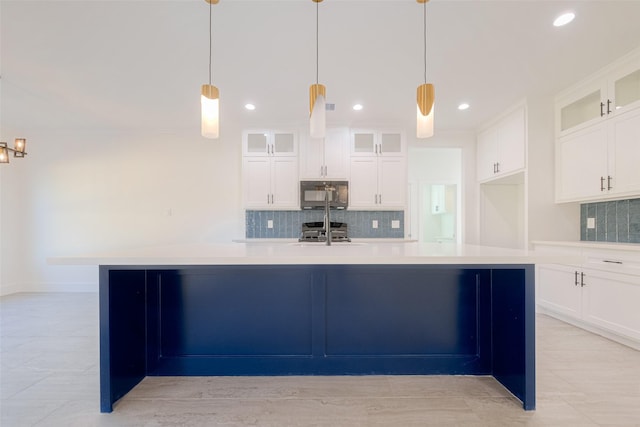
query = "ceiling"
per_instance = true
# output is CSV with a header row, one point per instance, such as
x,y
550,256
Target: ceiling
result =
x,y
138,64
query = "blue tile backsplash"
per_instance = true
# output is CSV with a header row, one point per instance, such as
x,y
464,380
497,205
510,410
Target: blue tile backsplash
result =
x,y
616,221
288,224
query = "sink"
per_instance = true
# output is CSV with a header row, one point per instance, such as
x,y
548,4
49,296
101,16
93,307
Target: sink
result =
x,y
302,244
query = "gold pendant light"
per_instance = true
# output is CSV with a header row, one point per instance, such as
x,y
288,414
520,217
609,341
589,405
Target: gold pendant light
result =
x,y
209,95
426,93
317,97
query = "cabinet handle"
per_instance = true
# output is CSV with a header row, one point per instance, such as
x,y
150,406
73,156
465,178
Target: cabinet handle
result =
x,y
380,198
494,168
609,187
601,109
380,146
498,167
608,106
612,262
602,183
325,171
268,199
575,278
582,284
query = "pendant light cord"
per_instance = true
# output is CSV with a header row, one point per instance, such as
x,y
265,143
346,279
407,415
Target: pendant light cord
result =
x,y
317,42
425,40
210,43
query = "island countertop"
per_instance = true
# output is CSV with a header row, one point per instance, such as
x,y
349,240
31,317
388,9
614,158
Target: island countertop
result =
x,y
289,252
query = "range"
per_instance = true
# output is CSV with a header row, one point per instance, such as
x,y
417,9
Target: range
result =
x,y
315,232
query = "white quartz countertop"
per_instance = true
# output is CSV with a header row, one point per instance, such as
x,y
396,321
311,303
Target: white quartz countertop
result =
x,y
632,247
292,252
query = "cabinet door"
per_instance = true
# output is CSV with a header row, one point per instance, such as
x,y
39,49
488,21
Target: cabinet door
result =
x,y
284,143
581,108
511,143
624,153
256,173
363,143
391,143
437,199
559,289
256,143
392,182
336,154
363,186
487,153
581,161
624,89
312,158
284,183
610,301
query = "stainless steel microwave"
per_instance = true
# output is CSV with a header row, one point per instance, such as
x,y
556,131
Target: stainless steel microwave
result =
x,y
313,194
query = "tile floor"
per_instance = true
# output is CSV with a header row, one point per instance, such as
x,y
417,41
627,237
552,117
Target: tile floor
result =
x,y
49,377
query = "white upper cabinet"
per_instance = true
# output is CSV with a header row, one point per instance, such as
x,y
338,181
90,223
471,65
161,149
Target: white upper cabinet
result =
x,y
611,92
581,162
597,154
269,143
270,170
326,158
601,161
377,183
501,147
378,176
388,143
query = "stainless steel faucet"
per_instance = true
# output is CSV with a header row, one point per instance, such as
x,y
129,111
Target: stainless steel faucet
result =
x,y
327,212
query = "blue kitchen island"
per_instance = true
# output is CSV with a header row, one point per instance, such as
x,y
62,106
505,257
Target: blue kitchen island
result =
x,y
286,309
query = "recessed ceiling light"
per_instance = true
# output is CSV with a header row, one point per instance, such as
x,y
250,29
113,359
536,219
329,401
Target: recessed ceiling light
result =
x,y
250,107
463,106
358,107
564,19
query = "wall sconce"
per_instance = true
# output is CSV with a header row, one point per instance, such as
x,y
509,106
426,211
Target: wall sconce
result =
x,y
18,150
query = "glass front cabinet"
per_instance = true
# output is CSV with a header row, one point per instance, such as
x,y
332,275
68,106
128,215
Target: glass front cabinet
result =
x,y
612,92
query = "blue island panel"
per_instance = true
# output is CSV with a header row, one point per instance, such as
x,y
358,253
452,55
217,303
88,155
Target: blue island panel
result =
x,y
316,320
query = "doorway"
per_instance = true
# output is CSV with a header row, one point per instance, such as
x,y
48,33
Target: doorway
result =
x,y
434,195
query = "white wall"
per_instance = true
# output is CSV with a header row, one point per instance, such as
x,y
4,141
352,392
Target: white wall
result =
x,y
547,220
80,192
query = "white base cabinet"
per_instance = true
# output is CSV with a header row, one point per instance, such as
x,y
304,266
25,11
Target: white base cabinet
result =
x,y
601,295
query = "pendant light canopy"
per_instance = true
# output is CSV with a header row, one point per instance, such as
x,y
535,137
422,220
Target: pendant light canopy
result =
x,y
209,95
426,92
317,96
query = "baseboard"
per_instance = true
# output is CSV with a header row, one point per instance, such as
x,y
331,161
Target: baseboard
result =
x,y
8,289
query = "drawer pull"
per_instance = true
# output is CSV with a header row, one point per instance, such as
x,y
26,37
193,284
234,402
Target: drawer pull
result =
x,y
612,262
